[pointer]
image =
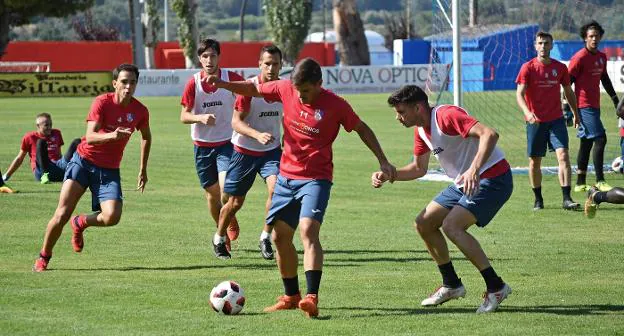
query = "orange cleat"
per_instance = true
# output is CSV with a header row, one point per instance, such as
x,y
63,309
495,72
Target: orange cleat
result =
x,y
284,302
309,305
41,264
77,239
233,229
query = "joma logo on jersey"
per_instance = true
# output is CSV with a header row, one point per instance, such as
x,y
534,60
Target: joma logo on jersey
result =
x,y
213,103
437,151
269,114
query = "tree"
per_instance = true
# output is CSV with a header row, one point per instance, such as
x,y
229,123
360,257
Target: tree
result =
x,y
88,30
187,31
352,43
288,22
151,26
18,12
396,29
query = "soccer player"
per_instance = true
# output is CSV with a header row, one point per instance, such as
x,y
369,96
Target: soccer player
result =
x,y
594,197
208,110
256,139
537,95
588,68
112,119
44,148
312,119
467,151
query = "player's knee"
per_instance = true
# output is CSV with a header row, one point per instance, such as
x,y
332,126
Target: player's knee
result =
x,y
112,218
451,230
61,215
237,203
423,225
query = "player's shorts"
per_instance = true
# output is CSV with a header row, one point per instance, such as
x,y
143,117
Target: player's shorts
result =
x,y
295,199
550,134
243,169
210,161
590,125
492,195
104,183
56,170
622,145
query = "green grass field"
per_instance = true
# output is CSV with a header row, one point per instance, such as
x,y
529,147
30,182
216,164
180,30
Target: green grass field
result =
x,y
152,273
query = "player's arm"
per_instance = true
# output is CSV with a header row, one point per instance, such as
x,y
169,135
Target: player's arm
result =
x,y
243,88
608,86
15,164
370,140
569,94
240,126
520,93
93,137
488,138
146,145
188,117
414,170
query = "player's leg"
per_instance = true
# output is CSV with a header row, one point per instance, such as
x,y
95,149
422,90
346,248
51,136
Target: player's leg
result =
x,y
43,161
71,149
594,130
266,250
537,142
582,161
206,167
598,157
594,197
560,143
224,156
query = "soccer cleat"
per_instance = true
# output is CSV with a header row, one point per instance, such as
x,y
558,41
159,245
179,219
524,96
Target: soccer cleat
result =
x,y
77,239
443,294
491,301
590,206
603,186
309,305
221,251
284,302
5,189
233,229
538,205
41,264
581,188
570,205
266,249
45,178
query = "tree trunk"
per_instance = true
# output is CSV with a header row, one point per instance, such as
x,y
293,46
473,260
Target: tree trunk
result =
x,y
350,37
241,27
191,61
4,28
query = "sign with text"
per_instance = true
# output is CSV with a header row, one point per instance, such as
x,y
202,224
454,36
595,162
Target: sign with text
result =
x,y
55,84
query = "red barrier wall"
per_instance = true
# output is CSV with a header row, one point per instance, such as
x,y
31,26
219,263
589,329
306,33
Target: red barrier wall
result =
x,y
104,56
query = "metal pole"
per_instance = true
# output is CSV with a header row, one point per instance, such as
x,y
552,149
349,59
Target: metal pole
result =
x,y
457,85
166,20
323,9
408,20
138,45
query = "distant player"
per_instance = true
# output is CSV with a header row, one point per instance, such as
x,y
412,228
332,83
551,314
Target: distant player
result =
x,y
588,68
467,151
44,148
256,141
538,97
595,197
208,110
312,119
113,117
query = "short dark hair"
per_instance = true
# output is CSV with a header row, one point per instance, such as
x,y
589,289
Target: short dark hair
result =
x,y
206,44
408,94
306,71
544,35
593,24
43,115
271,49
125,67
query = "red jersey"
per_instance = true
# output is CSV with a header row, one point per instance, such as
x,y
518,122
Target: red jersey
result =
x,y
587,69
542,83
309,130
110,115
55,141
188,96
454,121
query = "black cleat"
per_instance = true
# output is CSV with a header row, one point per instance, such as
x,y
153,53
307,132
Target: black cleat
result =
x,y
538,205
570,205
221,251
266,249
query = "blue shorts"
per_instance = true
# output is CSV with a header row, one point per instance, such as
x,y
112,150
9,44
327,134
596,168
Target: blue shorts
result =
x,y
550,134
104,183
493,193
243,169
590,125
56,170
295,199
210,161
622,145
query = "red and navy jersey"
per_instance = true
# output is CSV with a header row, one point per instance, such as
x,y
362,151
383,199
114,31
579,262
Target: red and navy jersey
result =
x,y
54,141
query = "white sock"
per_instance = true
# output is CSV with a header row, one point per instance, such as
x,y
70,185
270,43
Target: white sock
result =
x,y
218,239
265,235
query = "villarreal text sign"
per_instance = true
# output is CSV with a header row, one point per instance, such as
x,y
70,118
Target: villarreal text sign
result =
x,y
55,84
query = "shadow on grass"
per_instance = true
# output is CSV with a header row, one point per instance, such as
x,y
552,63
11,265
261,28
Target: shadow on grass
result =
x,y
549,309
271,267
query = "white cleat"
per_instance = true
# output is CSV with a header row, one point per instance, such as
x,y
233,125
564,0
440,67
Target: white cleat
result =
x,y
491,301
443,294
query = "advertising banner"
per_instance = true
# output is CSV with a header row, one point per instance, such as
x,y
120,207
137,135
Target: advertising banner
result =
x,y
55,84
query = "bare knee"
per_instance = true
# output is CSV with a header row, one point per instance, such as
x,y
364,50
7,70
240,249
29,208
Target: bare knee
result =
x,y
424,225
236,203
452,230
110,219
61,216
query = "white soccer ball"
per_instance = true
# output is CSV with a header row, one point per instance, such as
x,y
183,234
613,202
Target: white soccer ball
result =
x,y
228,298
617,165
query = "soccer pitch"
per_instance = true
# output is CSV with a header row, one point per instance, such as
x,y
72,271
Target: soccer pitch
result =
x,y
152,273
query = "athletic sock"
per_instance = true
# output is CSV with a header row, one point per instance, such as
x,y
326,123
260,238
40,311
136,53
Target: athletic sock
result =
x,y
313,279
538,193
581,179
449,277
218,239
291,286
265,235
45,256
566,193
600,197
492,281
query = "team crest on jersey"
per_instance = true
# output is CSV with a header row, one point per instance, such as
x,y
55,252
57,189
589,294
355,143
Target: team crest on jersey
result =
x,y
546,75
601,61
119,120
554,72
318,114
596,63
129,117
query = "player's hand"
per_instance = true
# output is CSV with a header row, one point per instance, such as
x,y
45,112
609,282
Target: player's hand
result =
x,y
142,181
265,138
389,171
470,179
213,80
575,120
6,177
378,179
121,133
207,119
531,118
